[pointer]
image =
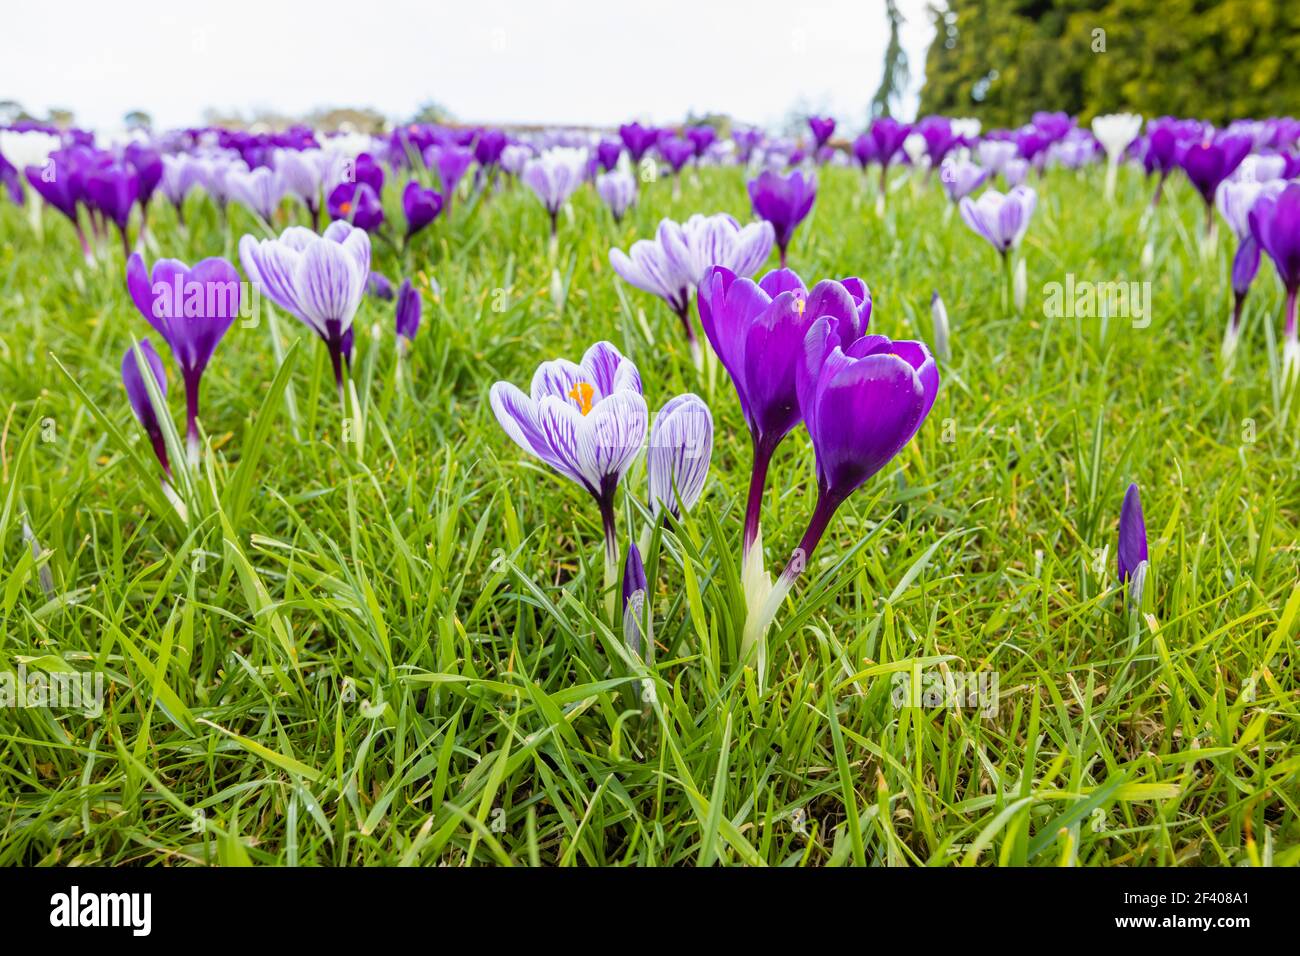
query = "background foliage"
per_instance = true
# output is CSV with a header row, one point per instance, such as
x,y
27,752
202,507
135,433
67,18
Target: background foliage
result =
x,y
1001,59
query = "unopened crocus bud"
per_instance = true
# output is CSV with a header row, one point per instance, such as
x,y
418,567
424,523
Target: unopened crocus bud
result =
x,y
681,444
137,393
408,312
1131,556
1021,286
635,589
940,316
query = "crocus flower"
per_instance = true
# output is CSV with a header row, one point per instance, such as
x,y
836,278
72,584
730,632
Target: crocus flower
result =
x,y
888,135
148,167
113,190
260,190
378,285
676,151
1275,224
618,190
823,128
1131,556
635,589
663,266
607,153
757,330
586,420
420,206
180,175
317,279
1209,163
1015,172
719,240
451,163
1001,218
994,154
357,203
488,147
554,177
57,182
12,182
701,138
137,393
681,445
864,150
302,172
939,138
408,314
191,309
1115,131
784,202
862,398
961,177
638,139
1235,201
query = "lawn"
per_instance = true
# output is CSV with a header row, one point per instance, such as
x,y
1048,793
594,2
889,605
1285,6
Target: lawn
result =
x,y
403,656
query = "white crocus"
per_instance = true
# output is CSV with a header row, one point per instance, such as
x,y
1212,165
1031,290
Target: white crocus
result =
x,y
1115,131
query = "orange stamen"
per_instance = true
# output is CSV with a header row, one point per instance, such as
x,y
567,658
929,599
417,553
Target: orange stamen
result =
x,y
582,394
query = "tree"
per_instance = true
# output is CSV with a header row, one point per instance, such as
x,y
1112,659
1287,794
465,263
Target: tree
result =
x,y
895,76
1000,60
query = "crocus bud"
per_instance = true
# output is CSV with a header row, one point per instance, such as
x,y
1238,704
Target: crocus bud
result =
x,y
681,444
408,312
377,284
635,589
137,393
1132,552
1021,286
940,316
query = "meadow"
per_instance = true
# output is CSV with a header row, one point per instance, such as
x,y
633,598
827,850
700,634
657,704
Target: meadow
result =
x,y
401,657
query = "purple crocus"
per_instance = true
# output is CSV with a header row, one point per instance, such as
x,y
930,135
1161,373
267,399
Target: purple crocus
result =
x,y
635,590
192,309
59,182
302,173
488,147
618,190
862,398
1131,556
147,164
1275,225
259,190
137,393
607,153
420,206
180,175
586,420
379,285
701,138
451,163
357,203
638,139
1235,201
408,311
681,445
888,135
1210,162
823,128
864,150
676,151
112,189
783,201
319,280
939,137
757,330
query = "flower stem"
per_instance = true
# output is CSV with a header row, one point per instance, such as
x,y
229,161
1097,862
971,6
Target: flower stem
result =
x,y
606,501
763,451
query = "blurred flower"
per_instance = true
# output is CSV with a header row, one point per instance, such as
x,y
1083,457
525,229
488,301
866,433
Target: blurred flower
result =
x,y
1000,218
378,285
784,201
356,203
181,174
939,317
258,189
554,177
420,206
1275,225
675,151
1209,162
409,307
1235,201
638,139
302,173
618,190
961,177
1115,131
823,128
607,154
112,189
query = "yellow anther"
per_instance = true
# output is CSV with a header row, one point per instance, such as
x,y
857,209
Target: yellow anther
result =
x,y
582,394
799,306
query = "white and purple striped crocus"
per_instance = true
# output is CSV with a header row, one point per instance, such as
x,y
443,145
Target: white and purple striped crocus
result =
x,y
319,280
1002,219
587,420
259,190
192,309
681,446
181,173
137,393
961,177
302,173
554,177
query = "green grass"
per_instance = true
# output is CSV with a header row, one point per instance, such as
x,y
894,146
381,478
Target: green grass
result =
x,y
404,659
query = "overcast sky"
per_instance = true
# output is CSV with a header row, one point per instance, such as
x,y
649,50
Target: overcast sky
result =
x,y
579,61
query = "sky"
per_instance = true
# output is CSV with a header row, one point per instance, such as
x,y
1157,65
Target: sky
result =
x,y
487,61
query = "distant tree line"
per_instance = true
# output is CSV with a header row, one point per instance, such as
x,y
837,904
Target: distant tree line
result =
x,y
1000,60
